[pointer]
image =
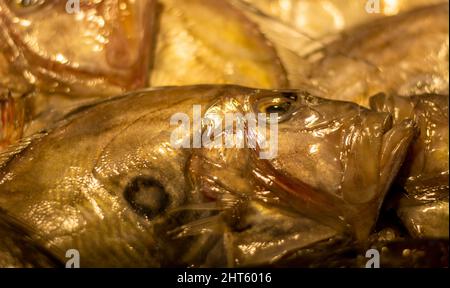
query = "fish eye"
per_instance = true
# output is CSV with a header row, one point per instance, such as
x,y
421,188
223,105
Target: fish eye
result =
x,y
146,196
25,6
283,106
280,108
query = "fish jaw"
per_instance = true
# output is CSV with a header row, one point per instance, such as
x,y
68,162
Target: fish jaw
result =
x,y
330,137
322,175
103,48
425,219
424,176
429,155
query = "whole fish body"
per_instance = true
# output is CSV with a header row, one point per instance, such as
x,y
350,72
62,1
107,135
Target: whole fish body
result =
x,y
424,208
109,183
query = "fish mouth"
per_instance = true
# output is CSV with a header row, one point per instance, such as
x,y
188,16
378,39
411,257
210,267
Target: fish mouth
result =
x,y
347,208
306,199
121,59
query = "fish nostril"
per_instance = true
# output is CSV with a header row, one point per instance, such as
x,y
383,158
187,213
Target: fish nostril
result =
x,y
290,95
146,196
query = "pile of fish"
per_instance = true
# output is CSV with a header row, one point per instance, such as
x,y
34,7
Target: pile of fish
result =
x,y
87,164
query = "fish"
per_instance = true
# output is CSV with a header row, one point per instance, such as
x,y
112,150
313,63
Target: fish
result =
x,y
114,184
134,44
52,53
212,42
423,208
104,48
406,54
349,54
21,248
319,18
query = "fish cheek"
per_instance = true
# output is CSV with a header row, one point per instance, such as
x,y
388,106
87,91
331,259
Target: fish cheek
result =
x,y
146,196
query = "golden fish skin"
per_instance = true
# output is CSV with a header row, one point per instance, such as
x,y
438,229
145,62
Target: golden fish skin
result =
x,y
424,208
20,248
102,49
107,182
406,54
211,42
107,49
318,18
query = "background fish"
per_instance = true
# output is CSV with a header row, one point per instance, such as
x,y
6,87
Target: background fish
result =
x,y
405,54
49,57
107,181
102,49
21,248
424,208
318,18
211,42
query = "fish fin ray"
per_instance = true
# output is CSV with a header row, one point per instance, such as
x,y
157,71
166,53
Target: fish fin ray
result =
x,y
16,148
205,225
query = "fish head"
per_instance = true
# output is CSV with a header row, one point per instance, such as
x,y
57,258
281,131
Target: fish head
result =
x,y
79,46
335,159
316,147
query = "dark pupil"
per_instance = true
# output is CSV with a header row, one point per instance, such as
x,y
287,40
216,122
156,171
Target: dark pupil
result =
x,y
279,108
146,196
26,3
